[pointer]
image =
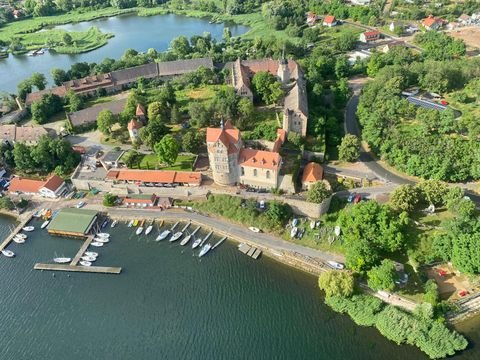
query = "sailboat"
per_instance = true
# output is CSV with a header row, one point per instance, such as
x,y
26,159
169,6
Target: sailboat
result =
x,y
187,238
149,228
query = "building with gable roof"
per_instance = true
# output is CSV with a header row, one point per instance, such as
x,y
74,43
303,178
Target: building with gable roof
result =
x,y
53,187
134,127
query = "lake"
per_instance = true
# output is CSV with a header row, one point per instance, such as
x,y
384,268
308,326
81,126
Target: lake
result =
x,y
131,31
169,304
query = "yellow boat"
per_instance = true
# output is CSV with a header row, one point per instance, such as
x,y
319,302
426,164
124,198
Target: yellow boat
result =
x,y
135,223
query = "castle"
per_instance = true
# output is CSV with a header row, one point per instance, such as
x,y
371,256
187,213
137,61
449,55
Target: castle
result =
x,y
288,72
232,163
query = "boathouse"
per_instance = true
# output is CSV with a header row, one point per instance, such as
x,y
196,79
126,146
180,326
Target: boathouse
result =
x,y
72,222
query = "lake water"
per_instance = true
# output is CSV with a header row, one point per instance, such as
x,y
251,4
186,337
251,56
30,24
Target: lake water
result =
x,y
131,31
169,304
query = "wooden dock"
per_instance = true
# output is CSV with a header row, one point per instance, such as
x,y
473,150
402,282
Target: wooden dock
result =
x,y
10,237
82,250
251,251
77,268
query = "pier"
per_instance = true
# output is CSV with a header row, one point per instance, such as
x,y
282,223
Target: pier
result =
x,y
82,250
77,268
10,237
251,251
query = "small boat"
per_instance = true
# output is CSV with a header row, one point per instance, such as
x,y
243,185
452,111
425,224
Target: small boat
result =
x,y
85,263
187,238
28,228
97,244
149,228
19,240
205,249
114,223
294,222
139,230
176,236
62,260
313,224
89,258
45,223
37,214
294,232
8,253
300,234
91,253
130,223
101,240
135,222
254,229
103,235
105,223
337,230
163,235
335,265
21,236
196,243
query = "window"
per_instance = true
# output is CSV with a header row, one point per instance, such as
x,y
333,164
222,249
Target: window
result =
x,y
243,171
268,174
254,172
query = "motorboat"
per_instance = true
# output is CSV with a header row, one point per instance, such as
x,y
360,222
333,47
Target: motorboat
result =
x,y
130,223
89,258
85,263
176,236
186,239
205,249
335,265
149,228
97,244
62,260
139,230
18,240
28,228
294,222
8,253
103,235
21,236
135,222
101,240
254,229
91,253
337,230
163,235
114,223
196,243
293,232
45,223
105,223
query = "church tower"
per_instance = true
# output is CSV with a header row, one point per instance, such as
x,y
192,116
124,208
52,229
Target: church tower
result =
x,y
283,72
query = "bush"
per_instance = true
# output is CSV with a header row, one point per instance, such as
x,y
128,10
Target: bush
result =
x,y
363,309
109,200
336,283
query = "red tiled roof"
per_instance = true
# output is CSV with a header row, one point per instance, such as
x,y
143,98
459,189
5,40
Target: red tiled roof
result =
x,y
134,124
430,20
79,149
329,19
188,177
140,111
156,176
25,185
260,159
312,172
53,183
371,33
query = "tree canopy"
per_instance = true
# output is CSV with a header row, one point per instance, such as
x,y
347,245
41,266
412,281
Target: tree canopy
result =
x,y
318,192
167,150
336,283
383,276
349,149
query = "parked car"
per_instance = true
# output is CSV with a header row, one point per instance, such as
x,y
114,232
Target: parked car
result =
x,y
250,189
262,191
444,102
80,204
357,199
262,204
351,197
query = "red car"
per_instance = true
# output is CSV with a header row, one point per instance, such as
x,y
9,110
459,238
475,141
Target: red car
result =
x,y
444,102
357,199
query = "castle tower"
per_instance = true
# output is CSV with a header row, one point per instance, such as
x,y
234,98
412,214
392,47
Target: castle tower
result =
x,y
283,72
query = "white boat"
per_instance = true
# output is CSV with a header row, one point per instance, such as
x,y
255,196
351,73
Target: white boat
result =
x,y
28,228
45,223
313,224
176,236
163,235
335,265
149,229
196,243
254,229
19,240
97,244
294,222
337,230
8,253
91,253
294,232
85,263
89,258
205,249
130,223
103,235
114,223
62,260
139,230
186,239
101,240
21,236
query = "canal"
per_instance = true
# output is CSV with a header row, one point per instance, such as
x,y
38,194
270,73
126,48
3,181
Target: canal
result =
x,y
131,31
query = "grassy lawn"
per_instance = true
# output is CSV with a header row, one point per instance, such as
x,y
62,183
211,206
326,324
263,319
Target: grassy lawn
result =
x,y
150,162
203,94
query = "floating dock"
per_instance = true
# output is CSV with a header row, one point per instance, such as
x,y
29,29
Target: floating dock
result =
x,y
18,229
251,251
219,242
82,250
77,268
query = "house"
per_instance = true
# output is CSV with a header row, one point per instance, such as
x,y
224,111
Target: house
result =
x,y
140,200
154,178
433,23
311,18
53,187
140,113
111,159
29,135
464,19
329,21
72,222
231,163
86,118
37,95
312,173
289,73
370,36
134,127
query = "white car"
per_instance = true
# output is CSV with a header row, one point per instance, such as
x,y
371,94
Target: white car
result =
x,y
80,204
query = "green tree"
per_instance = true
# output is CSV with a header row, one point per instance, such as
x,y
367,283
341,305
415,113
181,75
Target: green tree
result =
x,y
24,88
336,283
278,212
318,192
405,198
181,46
153,132
192,141
74,101
109,200
433,191
38,80
47,106
167,150
154,110
105,121
431,292
59,76
266,87
67,39
349,149
383,276
6,203
345,42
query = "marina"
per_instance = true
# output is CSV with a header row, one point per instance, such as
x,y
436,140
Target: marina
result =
x,y
15,231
